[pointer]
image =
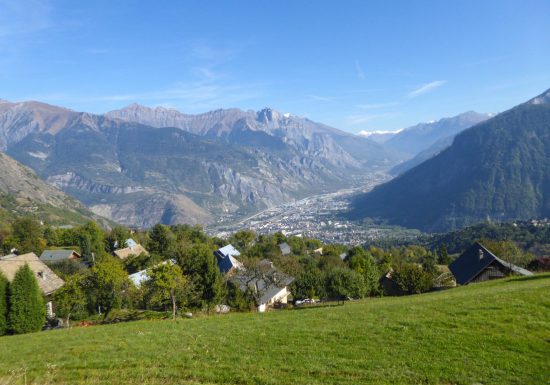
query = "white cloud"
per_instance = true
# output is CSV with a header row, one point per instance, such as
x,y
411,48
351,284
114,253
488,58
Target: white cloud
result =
x,y
359,70
426,88
23,17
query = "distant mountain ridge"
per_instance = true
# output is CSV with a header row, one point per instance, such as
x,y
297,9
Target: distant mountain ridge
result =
x,y
415,139
217,164
497,170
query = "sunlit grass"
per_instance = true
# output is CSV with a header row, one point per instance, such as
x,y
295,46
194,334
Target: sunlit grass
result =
x,y
490,333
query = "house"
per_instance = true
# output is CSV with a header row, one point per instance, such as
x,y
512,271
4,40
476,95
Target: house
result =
x,y
268,285
48,281
49,256
285,248
478,264
227,263
132,248
141,276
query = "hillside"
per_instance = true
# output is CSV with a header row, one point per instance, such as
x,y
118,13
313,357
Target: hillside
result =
x,y
489,333
22,192
225,163
497,170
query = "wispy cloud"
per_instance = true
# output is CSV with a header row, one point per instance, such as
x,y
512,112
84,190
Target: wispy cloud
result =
x,y
376,106
426,88
359,70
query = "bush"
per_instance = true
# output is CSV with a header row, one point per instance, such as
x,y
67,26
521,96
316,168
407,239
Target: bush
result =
x,y
27,311
345,283
412,279
3,304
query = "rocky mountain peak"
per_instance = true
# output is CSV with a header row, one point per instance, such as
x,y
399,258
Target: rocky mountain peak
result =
x,y
268,115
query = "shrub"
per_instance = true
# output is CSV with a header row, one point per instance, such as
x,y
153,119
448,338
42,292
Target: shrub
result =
x,y
412,279
27,311
3,304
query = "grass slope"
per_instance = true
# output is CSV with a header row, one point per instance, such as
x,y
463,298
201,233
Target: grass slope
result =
x,y
490,333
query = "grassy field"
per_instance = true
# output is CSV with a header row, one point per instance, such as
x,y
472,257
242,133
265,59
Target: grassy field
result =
x,y
490,333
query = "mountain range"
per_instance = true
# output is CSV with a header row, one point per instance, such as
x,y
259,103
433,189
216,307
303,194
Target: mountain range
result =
x,y
496,170
140,166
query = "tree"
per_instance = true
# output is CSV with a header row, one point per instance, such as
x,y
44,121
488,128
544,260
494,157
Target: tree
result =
x,y
199,265
362,262
91,240
27,311
118,237
243,239
166,282
162,241
309,284
27,236
70,298
106,283
345,283
429,265
3,304
412,279
442,255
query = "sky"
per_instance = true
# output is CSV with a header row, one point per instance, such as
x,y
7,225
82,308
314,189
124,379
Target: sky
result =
x,y
355,65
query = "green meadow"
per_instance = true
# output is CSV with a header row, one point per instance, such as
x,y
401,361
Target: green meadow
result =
x,y
489,333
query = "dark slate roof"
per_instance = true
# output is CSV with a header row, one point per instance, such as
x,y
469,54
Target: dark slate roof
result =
x,y
226,258
56,255
476,259
269,287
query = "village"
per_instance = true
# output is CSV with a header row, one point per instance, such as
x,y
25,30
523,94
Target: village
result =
x,y
185,271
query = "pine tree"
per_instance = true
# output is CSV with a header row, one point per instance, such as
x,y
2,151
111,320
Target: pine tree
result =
x,y
27,311
3,304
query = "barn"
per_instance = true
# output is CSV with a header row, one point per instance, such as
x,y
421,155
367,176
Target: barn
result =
x,y
478,264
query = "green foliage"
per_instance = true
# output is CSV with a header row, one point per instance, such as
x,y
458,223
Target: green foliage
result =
x,y
362,262
508,251
309,284
135,263
105,285
412,279
443,256
3,304
243,239
117,236
27,311
91,240
27,236
162,241
199,265
345,283
70,298
166,283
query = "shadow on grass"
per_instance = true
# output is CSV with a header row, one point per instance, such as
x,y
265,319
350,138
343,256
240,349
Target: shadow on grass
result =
x,y
318,306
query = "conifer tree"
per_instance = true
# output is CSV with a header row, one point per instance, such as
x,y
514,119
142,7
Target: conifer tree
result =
x,y
27,311
3,304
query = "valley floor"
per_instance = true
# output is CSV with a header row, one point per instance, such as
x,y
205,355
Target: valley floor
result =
x,y
490,333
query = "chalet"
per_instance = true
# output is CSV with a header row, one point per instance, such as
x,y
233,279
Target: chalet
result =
x,y
227,261
52,256
48,281
132,248
285,248
268,285
478,264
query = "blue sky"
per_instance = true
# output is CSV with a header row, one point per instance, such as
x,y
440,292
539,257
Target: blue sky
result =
x,y
356,65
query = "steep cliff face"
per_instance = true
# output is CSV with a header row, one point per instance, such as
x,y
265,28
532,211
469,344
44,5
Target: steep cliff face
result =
x,y
226,162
